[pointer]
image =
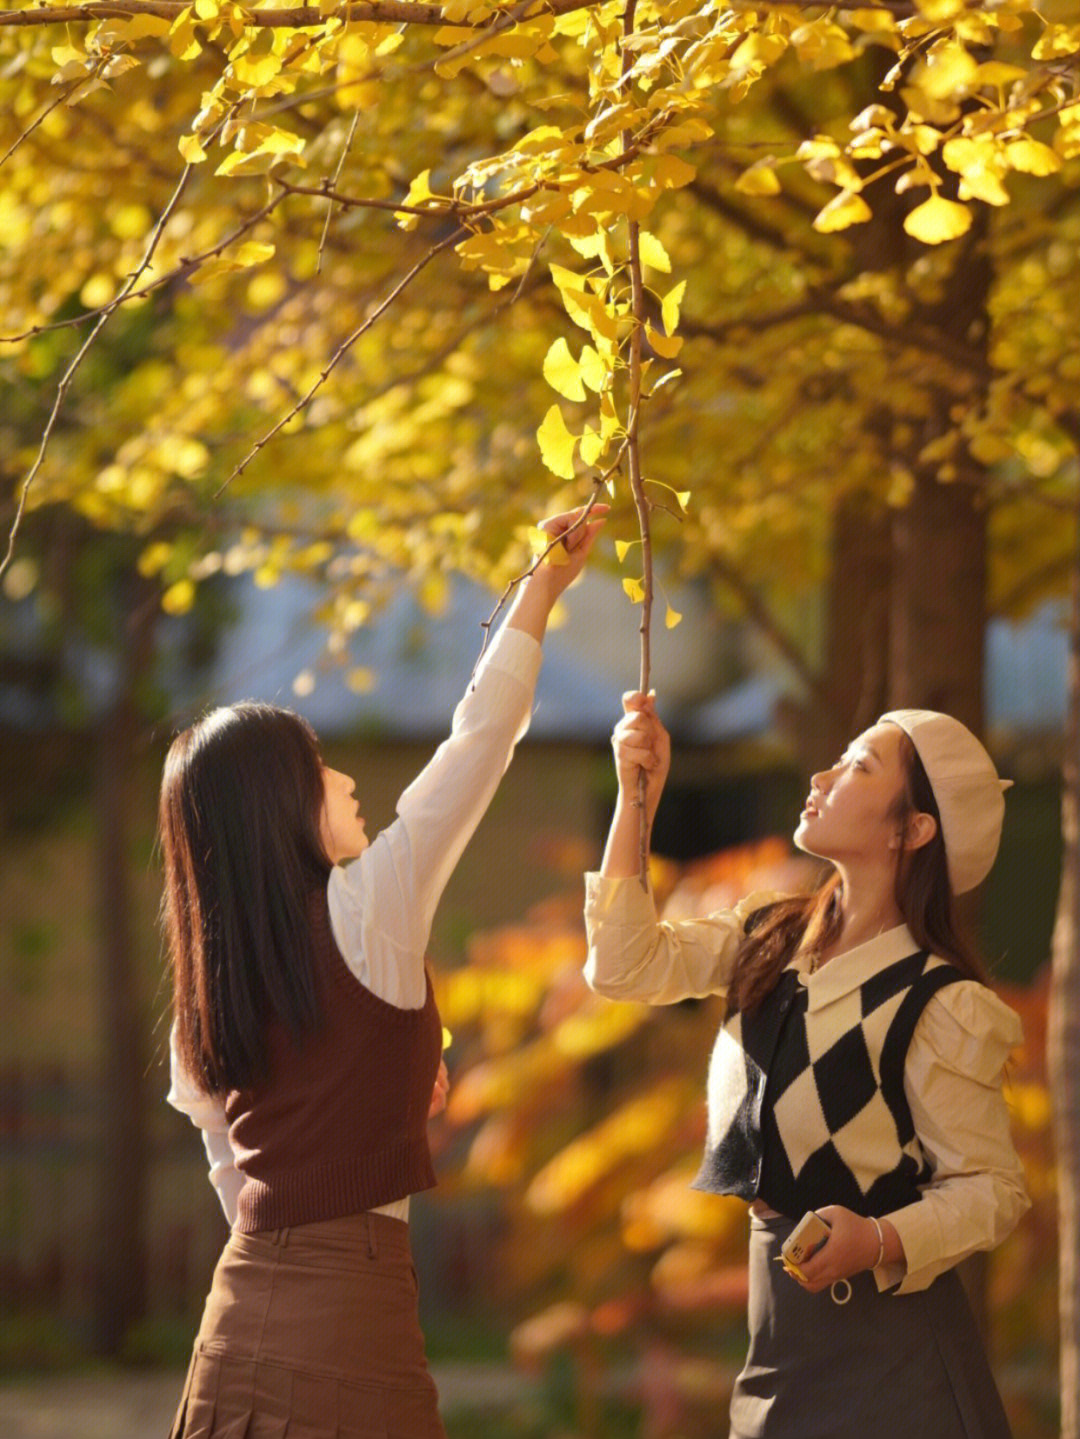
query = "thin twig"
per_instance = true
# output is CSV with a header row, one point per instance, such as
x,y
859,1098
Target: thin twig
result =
x,y
300,17
69,373
337,175
486,625
179,272
339,354
60,99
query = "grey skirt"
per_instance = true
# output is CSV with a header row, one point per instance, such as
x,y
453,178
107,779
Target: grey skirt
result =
x,y
312,1333
884,1365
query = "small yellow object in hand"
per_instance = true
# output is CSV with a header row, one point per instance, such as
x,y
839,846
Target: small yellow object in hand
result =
x,y
790,1268
447,1038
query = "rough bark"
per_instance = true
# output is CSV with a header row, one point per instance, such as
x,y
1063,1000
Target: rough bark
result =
x,y
1063,1042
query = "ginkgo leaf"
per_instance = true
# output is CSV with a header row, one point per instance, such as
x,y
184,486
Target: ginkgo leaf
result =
x,y
593,445
937,220
653,253
178,598
190,147
557,444
562,371
669,307
635,589
592,368
760,178
667,346
671,618
843,210
1032,157
623,547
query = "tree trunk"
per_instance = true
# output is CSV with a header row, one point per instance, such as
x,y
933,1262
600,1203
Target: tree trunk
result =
x,y
121,1287
1063,1041
938,609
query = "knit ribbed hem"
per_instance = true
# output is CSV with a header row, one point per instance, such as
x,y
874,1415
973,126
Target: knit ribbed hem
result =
x,y
330,1191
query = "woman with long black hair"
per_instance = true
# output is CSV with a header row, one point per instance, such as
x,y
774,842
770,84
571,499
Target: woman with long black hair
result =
x,y
857,1075
306,1044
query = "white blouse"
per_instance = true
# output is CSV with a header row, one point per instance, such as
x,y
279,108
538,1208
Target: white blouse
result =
x,y
952,1076
382,904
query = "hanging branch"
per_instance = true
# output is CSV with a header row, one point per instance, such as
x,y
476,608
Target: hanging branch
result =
x,y
637,488
338,355
333,183
69,373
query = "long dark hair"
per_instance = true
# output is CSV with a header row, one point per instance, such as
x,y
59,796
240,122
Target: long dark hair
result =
x,y
923,896
239,811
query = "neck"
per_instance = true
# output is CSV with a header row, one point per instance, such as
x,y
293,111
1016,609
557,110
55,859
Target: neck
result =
x,y
868,908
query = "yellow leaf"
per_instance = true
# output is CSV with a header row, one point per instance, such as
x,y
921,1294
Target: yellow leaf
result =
x,y
557,444
191,149
178,598
635,589
1032,157
622,548
671,618
1057,41
251,252
997,72
669,308
653,253
562,371
760,178
154,558
593,370
937,220
948,72
666,346
672,173
843,210
256,70
593,446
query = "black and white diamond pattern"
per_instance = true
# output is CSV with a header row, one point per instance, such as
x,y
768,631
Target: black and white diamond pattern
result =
x,y
807,1107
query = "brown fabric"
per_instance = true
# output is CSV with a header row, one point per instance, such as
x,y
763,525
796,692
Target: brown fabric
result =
x,y
339,1125
312,1332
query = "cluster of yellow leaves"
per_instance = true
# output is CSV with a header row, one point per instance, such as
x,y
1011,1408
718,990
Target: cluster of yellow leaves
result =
x,y
984,118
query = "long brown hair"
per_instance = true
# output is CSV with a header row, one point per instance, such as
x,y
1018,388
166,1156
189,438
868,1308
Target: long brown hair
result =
x,y
239,819
923,896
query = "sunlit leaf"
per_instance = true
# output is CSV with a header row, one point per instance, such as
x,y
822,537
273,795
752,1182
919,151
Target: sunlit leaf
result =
x,y
937,220
557,444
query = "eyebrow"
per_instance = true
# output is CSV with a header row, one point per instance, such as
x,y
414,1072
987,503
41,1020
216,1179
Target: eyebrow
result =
x,y
869,749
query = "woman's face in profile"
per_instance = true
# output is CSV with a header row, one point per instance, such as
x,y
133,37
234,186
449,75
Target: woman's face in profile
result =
x,y
341,825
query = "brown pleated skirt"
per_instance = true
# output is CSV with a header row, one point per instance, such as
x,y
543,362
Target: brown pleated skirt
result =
x,y
881,1366
312,1333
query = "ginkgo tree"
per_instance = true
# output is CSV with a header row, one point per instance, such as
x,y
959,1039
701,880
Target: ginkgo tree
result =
x,y
406,268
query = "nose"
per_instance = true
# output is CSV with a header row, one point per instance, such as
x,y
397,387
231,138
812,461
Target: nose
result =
x,y
821,781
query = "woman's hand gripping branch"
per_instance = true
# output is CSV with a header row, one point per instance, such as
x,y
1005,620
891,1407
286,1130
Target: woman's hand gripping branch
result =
x,y
537,594
640,742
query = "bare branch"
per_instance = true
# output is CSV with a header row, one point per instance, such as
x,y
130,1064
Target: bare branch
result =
x,y
339,354
65,92
301,17
69,373
337,176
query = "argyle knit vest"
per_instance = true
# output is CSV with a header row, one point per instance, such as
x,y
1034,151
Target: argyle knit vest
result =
x,y
339,1123
807,1108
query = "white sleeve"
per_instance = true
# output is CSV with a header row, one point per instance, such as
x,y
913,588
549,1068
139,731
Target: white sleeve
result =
x,y
953,1081
207,1113
635,955
383,903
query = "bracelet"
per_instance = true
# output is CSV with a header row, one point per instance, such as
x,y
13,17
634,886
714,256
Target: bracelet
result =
x,y
881,1243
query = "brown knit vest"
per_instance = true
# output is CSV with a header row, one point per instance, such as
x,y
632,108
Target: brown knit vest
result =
x,y
339,1124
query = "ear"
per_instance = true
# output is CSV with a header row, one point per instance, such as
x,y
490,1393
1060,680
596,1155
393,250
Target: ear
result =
x,y
920,830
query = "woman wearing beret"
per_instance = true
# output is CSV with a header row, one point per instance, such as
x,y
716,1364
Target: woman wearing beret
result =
x,y
306,1043
857,1074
